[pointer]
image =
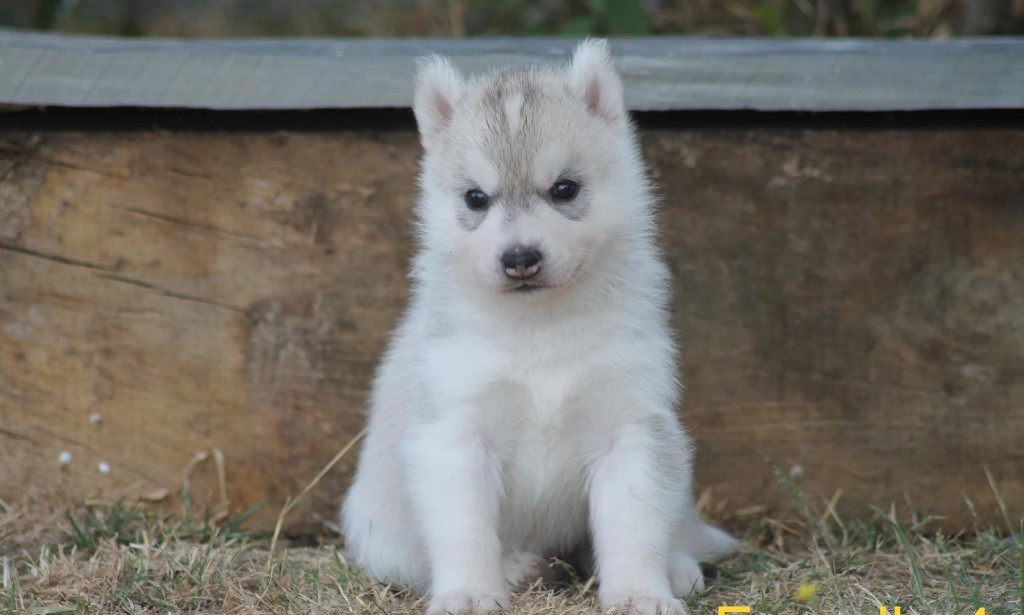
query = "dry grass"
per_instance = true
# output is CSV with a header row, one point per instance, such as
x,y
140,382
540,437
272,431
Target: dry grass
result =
x,y
116,559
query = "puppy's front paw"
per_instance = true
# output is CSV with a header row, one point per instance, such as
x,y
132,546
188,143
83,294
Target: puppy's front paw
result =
x,y
645,605
467,602
522,569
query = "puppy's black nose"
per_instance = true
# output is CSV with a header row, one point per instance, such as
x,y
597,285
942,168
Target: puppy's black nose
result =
x,y
521,262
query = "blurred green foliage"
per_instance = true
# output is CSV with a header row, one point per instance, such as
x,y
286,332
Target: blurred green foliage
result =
x,y
391,18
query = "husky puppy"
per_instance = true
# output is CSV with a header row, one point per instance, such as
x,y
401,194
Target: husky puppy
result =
x,y
526,405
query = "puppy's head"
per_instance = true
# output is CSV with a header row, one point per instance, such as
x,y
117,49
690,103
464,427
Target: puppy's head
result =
x,y
530,175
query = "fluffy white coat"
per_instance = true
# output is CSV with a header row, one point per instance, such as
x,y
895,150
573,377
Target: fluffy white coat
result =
x,y
514,420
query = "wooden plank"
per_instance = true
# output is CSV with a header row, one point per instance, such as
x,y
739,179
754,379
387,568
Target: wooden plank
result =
x,y
668,73
851,307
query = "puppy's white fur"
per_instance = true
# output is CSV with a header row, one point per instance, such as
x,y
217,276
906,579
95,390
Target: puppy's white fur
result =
x,y
508,425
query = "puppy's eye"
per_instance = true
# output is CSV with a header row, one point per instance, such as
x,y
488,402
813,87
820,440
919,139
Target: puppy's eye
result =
x,y
564,190
476,199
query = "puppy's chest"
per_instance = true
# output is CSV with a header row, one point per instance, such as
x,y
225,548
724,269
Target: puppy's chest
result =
x,y
541,433
544,472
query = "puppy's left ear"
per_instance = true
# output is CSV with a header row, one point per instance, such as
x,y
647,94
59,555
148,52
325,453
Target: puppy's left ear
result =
x,y
597,83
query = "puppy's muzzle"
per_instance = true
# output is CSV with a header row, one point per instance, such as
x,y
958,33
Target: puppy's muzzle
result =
x,y
521,262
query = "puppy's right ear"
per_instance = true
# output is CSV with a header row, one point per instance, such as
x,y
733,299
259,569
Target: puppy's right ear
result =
x,y
438,88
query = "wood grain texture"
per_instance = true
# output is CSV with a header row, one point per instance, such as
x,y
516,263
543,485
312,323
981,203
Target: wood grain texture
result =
x,y
850,303
663,73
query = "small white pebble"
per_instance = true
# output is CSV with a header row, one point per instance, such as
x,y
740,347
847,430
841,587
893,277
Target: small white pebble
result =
x,y
103,467
95,418
796,471
64,458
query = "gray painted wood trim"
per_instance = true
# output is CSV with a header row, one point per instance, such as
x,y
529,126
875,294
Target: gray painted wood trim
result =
x,y
668,73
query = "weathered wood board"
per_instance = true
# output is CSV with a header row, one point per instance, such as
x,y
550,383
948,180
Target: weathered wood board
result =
x,y
851,303
661,73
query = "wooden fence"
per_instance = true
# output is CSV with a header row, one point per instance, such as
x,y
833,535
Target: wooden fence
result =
x,y
203,249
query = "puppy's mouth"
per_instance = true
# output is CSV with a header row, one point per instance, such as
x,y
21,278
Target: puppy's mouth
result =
x,y
526,287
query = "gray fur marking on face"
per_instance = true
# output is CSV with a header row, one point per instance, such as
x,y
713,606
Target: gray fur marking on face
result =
x,y
468,218
514,107
575,209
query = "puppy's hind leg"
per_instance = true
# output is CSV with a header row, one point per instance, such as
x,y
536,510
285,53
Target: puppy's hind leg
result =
x,y
693,542
380,530
684,573
522,568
